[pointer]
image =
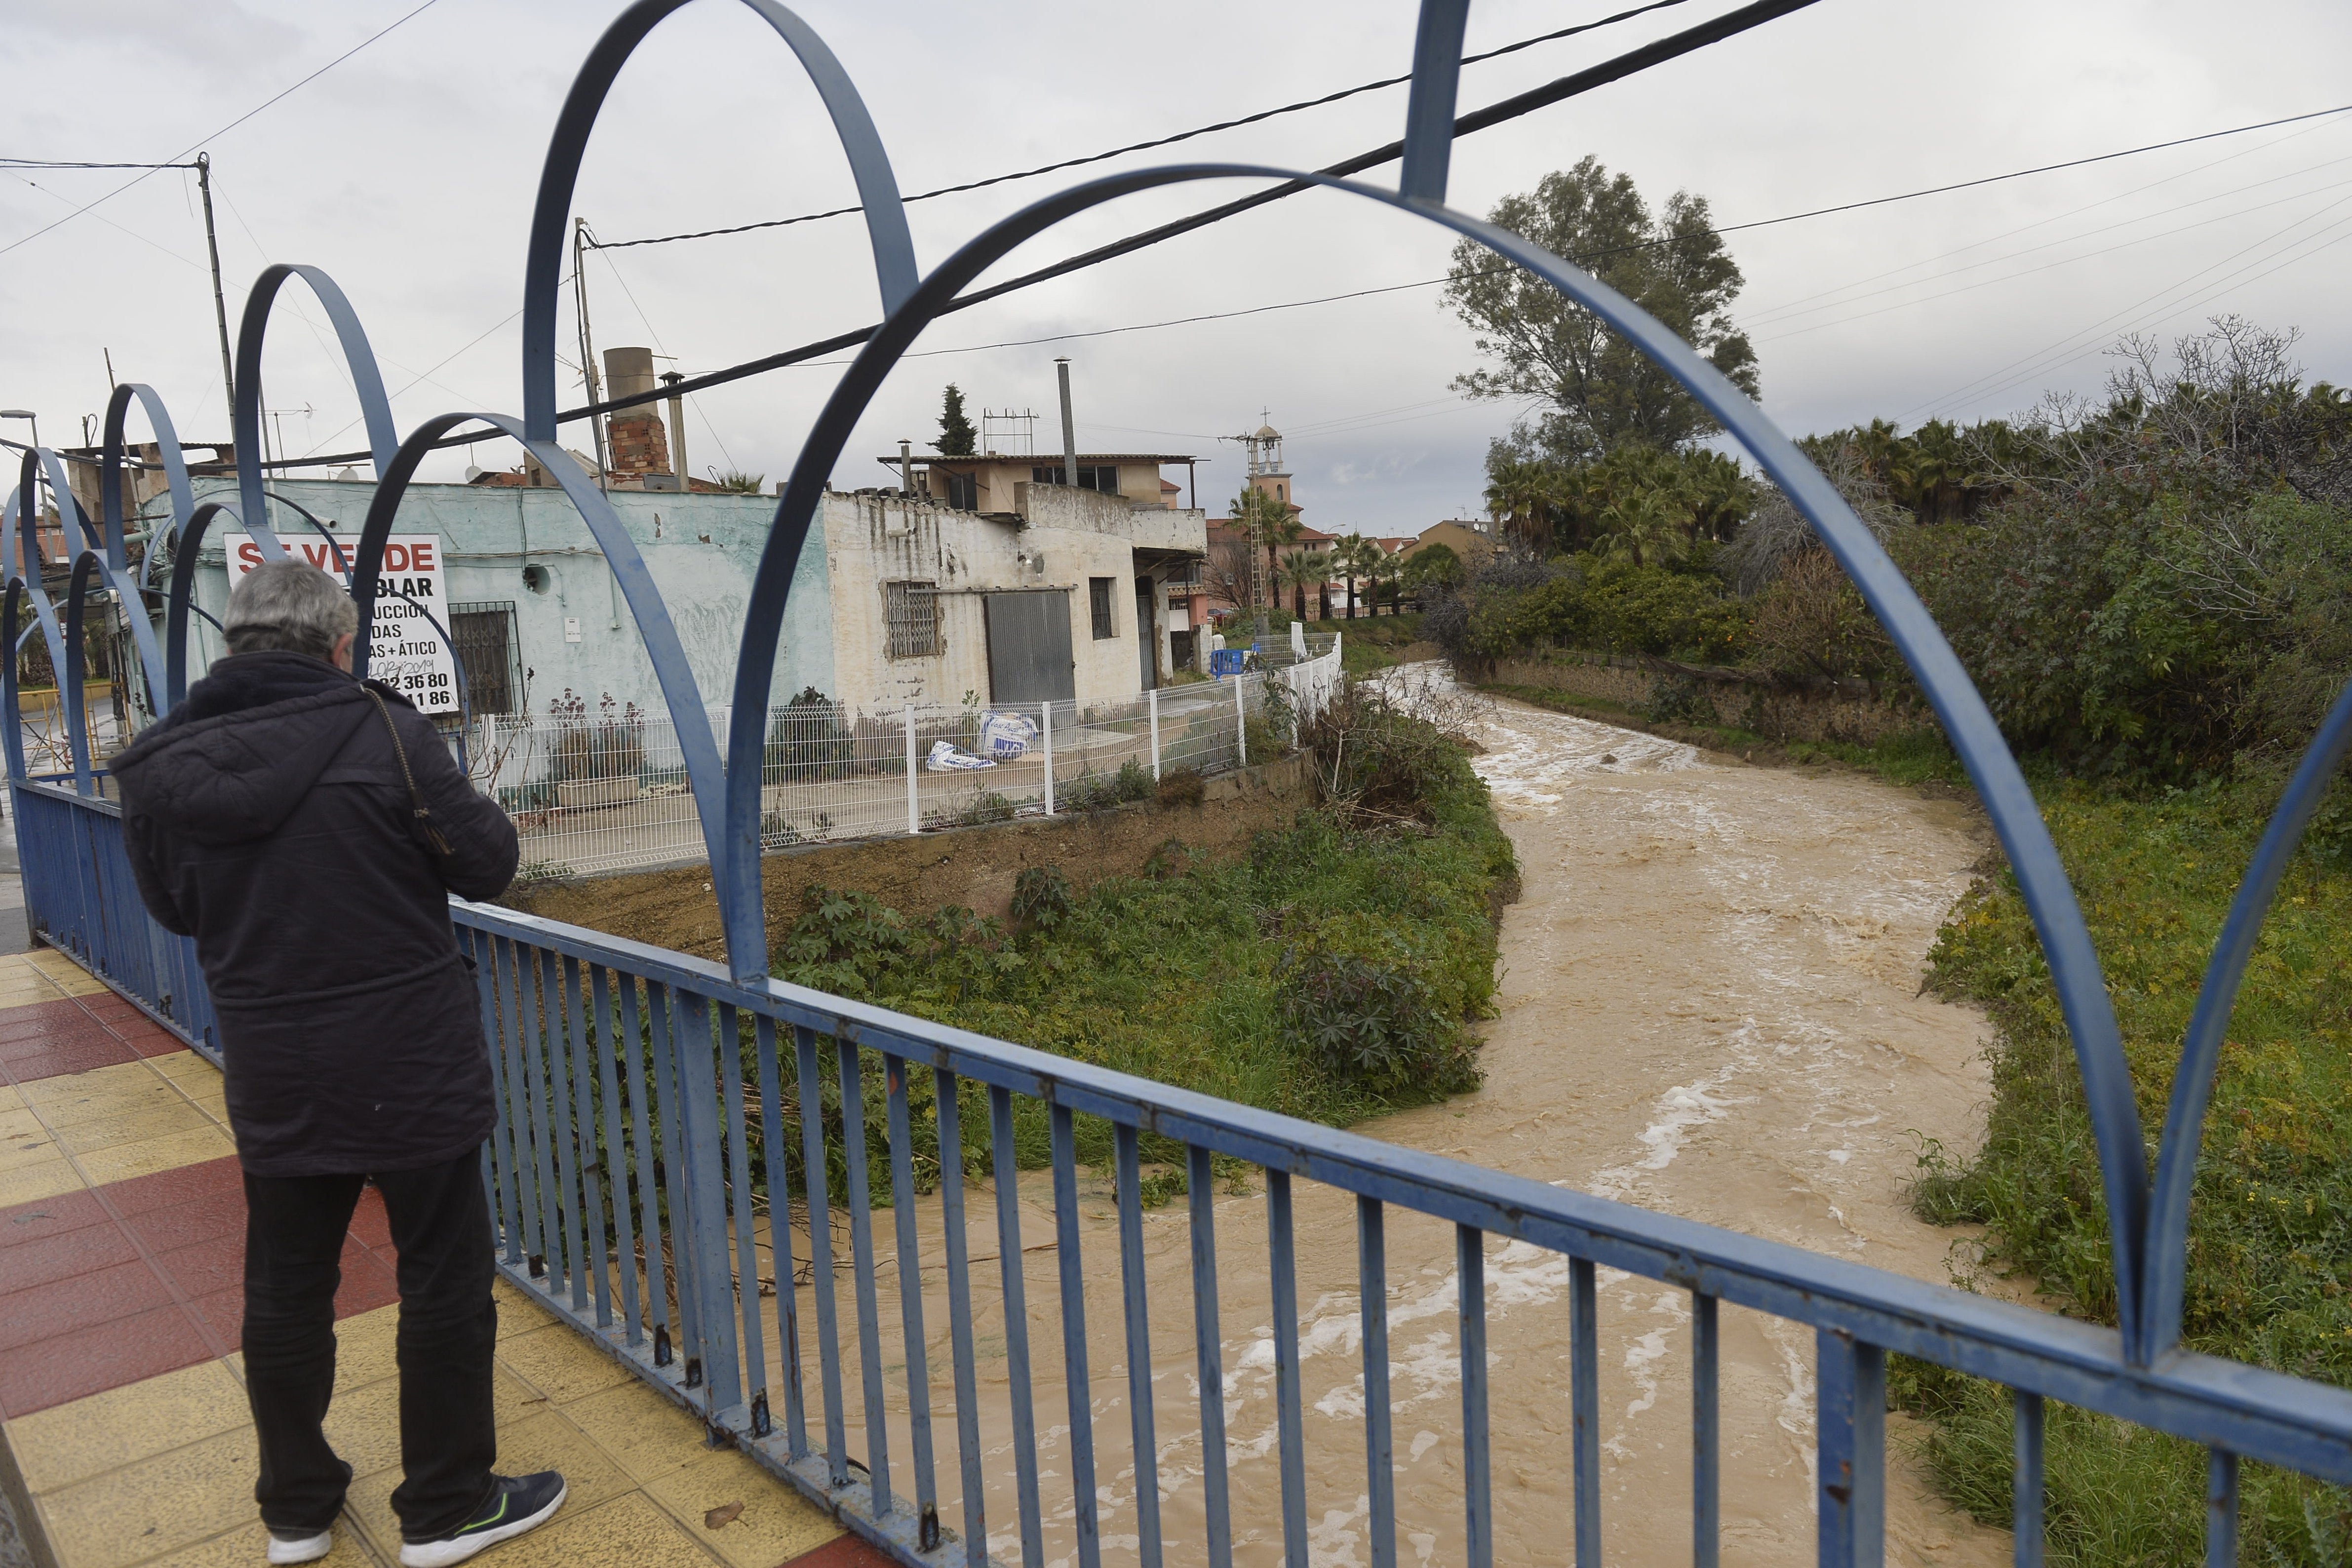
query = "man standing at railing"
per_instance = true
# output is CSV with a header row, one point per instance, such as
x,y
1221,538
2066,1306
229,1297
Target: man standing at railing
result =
x,y
306,829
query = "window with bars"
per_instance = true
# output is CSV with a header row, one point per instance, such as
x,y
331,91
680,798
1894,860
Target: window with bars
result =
x,y
489,654
1098,599
1102,477
963,490
911,614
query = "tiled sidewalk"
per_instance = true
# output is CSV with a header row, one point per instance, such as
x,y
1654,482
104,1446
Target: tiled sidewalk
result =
x,y
122,1251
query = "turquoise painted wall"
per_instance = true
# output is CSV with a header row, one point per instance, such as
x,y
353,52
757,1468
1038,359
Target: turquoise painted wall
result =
x,y
701,550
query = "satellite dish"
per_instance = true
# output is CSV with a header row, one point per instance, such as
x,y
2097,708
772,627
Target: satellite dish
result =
x,y
472,473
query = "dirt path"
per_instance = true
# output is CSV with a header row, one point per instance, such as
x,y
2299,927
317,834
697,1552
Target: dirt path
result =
x,y
1709,1006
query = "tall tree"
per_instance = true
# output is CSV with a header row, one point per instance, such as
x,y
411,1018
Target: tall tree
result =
x,y
957,438
1601,392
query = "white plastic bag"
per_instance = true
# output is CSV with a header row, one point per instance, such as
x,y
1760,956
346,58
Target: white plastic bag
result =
x,y
1004,736
946,758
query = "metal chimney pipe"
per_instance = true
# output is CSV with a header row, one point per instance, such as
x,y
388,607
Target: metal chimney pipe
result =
x,y
1069,427
676,430
905,468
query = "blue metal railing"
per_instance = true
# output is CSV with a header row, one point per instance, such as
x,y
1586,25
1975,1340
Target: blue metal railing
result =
x,y
645,1169
633,1191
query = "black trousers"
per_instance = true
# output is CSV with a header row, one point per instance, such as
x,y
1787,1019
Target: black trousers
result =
x,y
295,1227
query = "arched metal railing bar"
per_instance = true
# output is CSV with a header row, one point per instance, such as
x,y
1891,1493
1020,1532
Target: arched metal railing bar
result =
x,y
2073,963
72,682
13,748
181,598
110,470
690,716
1429,113
384,436
870,166
2201,1049
40,463
20,545
343,565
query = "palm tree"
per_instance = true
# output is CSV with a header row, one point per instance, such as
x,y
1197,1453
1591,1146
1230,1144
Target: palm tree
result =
x,y
1353,557
1648,528
1275,526
1524,497
1304,569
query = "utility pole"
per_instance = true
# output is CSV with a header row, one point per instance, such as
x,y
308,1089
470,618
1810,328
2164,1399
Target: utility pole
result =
x,y
670,379
587,343
1069,427
220,300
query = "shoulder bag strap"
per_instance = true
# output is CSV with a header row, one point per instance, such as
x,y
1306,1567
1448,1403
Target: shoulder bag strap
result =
x,y
415,796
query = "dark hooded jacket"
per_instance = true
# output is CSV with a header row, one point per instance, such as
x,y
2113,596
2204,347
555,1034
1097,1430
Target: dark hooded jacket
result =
x,y
266,817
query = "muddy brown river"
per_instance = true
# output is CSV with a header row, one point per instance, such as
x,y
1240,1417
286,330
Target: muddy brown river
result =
x,y
1709,1006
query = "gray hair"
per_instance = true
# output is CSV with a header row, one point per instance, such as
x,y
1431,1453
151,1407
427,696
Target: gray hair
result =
x,y
290,607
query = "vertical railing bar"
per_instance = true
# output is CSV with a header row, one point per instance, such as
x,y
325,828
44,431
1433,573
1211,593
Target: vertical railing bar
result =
x,y
1137,1290
714,1279
485,975
2026,1527
910,1299
641,1117
508,958
1380,1462
967,1397
2220,1509
1478,1490
861,1255
547,1167
1850,1427
676,1163
1281,1258
1016,1322
774,1149
560,1126
820,1207
1707,1439
617,1153
1076,1381
1584,1406
591,1163
747,1233
1210,1352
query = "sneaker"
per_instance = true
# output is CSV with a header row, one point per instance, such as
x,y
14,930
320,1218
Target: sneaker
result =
x,y
299,1545
516,1504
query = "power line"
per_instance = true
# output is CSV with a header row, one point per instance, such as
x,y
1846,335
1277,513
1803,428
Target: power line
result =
x,y
199,141
1263,114
1727,26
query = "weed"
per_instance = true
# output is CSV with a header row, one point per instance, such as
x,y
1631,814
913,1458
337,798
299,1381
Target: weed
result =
x,y
1181,786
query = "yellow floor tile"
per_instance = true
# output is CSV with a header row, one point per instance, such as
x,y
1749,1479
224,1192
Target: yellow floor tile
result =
x,y
560,1364
185,1065
66,975
363,1426
366,1348
132,1127
69,1443
160,1504
646,1434
632,1531
519,1311
101,1091
248,1543
544,1442
777,1524
33,1147
17,1120
34,1183
152,1155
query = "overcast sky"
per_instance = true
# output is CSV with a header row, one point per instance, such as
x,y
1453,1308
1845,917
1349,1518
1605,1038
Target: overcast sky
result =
x,y
407,172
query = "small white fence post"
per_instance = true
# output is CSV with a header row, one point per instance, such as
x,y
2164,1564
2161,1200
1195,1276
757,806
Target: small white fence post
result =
x,y
914,803
1153,697
1241,719
1048,728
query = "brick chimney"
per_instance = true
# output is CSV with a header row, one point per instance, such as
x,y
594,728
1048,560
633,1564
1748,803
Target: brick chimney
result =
x,y
635,441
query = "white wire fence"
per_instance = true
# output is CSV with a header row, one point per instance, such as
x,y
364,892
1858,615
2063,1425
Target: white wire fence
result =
x,y
606,790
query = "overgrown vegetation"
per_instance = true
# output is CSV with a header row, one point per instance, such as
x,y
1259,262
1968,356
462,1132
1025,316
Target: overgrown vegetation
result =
x,y
1333,972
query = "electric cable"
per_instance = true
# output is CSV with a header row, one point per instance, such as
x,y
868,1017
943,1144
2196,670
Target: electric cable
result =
x,y
1727,26
1263,114
199,141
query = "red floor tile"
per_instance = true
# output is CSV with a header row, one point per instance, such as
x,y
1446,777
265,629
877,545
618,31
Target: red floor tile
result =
x,y
141,1194
843,1552
61,1255
109,1006
369,1283
79,1301
206,1267
101,1050
370,1223
27,1222
199,1218
224,1313
40,1018
92,1360
52,1038
149,1039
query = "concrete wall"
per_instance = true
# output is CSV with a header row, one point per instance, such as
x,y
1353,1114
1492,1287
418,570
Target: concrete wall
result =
x,y
1059,539
701,550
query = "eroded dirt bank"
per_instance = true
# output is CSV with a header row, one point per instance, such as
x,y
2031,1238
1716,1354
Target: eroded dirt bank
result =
x,y
1711,1006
